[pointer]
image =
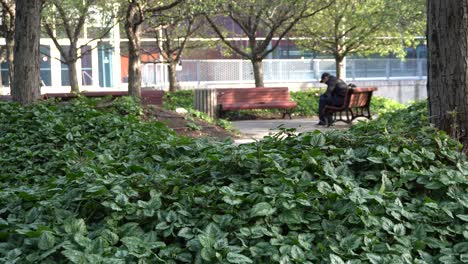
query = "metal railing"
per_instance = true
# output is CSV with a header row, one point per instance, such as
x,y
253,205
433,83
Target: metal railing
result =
x,y
286,70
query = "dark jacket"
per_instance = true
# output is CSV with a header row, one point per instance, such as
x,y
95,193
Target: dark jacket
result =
x,y
336,87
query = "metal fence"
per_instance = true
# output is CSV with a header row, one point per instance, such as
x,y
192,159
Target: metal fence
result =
x,y
282,70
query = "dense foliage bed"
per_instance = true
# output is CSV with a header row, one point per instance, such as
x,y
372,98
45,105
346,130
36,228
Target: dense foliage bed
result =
x,y
83,185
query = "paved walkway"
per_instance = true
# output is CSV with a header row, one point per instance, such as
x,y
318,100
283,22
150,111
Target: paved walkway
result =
x,y
253,130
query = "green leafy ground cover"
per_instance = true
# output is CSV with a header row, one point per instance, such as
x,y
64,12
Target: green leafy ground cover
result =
x,y
81,185
307,104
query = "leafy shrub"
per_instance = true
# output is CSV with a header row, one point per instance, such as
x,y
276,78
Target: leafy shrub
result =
x,y
307,102
96,187
180,98
382,105
127,105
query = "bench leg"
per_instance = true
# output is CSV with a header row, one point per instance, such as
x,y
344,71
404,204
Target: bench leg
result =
x,y
287,112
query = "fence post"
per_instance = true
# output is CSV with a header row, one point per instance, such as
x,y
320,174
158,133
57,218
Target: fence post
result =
x,y
419,71
205,101
387,69
241,71
353,69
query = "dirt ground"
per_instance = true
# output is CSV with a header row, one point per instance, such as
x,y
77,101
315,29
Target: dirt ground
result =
x,y
188,126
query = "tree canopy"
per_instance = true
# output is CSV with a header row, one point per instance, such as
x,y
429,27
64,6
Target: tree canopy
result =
x,y
363,27
261,22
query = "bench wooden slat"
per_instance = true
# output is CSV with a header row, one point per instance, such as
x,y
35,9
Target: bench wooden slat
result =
x,y
230,99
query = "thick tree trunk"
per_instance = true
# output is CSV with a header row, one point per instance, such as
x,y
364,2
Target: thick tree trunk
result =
x,y
10,44
448,70
26,85
258,73
132,28
173,83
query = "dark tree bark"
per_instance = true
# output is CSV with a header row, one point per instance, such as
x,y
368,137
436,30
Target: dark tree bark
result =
x,y
133,20
26,86
448,67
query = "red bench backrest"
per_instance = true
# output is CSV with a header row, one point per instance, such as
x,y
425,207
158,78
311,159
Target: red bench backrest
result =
x,y
361,96
252,95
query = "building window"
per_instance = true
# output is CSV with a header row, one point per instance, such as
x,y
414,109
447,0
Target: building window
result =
x,y
105,55
86,66
45,70
65,79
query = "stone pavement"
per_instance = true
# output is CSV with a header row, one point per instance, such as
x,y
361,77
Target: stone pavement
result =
x,y
253,130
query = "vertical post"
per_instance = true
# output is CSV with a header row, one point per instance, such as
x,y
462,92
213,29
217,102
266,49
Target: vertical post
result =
x,y
353,69
419,71
241,71
316,69
205,101
116,62
387,69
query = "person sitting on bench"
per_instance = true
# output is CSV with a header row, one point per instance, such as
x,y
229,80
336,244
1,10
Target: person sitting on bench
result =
x,y
335,95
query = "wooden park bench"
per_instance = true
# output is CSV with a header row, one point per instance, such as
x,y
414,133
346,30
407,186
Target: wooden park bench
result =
x,y
356,104
232,99
154,97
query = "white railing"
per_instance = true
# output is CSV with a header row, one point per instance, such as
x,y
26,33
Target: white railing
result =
x,y
286,70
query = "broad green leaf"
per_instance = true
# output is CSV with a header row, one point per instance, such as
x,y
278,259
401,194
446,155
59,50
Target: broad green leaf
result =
x,y
238,258
334,259
463,217
186,233
374,258
262,209
351,242
46,240
297,253
75,256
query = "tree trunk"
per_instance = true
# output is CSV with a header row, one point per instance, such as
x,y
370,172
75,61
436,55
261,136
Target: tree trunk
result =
x,y
72,76
134,70
26,85
340,67
448,70
173,83
71,60
10,45
132,28
258,73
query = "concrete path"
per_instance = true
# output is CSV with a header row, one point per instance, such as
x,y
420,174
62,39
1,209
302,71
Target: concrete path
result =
x,y
253,130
